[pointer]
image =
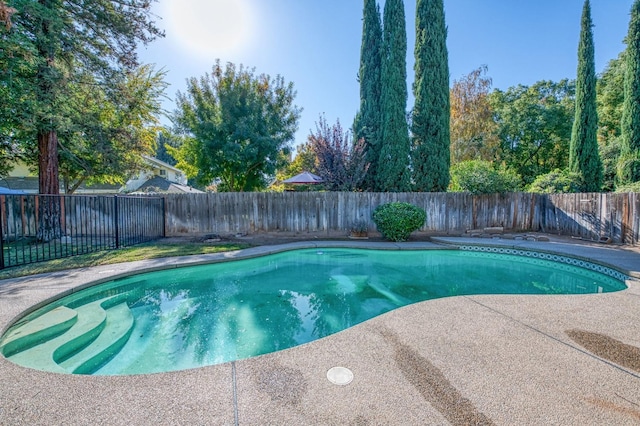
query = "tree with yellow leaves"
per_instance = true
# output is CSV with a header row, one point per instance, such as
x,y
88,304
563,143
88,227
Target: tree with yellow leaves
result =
x,y
473,130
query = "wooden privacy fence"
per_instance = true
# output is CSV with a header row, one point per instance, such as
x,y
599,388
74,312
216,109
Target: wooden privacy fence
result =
x,y
593,216
86,224
590,216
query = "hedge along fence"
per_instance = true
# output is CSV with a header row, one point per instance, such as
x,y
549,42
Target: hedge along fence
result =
x,y
591,216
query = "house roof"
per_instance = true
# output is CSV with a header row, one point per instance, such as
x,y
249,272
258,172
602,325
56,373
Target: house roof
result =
x,y
161,185
7,191
30,184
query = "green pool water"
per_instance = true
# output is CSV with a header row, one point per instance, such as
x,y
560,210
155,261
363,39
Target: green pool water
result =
x,y
195,316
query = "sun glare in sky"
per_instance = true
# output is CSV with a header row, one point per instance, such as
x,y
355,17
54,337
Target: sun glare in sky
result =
x,y
209,27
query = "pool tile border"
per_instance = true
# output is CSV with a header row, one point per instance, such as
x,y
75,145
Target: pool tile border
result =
x,y
610,272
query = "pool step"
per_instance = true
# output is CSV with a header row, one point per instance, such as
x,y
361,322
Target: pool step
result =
x,y
45,356
118,328
97,331
41,329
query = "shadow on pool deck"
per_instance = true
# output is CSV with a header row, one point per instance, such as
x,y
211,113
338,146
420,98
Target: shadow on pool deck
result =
x,y
463,360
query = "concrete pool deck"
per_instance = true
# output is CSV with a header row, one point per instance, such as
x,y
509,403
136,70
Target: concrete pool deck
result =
x,y
504,360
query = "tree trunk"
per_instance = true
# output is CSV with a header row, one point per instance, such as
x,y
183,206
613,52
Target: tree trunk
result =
x,y
48,182
48,186
72,189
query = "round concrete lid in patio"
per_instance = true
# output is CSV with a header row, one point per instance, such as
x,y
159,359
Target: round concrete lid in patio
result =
x,y
340,376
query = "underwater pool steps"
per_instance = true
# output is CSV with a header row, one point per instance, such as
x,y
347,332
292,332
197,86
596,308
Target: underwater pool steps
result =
x,y
98,331
45,327
118,328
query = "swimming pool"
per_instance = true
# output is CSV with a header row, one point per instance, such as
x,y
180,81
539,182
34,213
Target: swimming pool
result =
x,y
194,316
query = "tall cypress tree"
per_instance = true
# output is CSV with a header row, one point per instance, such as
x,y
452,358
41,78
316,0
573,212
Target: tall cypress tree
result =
x,y
584,157
431,112
368,120
393,164
629,165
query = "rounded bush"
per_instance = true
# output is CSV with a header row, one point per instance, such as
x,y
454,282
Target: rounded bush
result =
x,y
396,221
557,181
481,177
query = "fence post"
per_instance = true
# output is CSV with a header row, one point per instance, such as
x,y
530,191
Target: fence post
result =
x,y
164,217
117,220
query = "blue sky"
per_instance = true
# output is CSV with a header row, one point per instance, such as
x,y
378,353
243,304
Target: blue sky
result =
x,y
316,44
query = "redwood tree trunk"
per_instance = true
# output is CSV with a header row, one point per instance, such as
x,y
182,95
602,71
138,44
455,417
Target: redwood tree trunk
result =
x,y
48,182
49,186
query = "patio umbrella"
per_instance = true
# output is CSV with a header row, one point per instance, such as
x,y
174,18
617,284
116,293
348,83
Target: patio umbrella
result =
x,y
304,178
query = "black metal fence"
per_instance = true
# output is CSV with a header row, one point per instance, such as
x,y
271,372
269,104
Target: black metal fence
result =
x,y
35,228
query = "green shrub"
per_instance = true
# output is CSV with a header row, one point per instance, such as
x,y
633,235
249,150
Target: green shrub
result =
x,y
632,187
480,177
557,181
396,221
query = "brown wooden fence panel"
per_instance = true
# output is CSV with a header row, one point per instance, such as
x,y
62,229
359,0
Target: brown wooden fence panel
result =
x,y
634,222
592,216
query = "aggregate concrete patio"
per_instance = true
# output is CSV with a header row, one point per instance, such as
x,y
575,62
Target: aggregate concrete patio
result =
x,y
504,360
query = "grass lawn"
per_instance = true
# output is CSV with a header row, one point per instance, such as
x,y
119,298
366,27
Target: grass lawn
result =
x,y
150,250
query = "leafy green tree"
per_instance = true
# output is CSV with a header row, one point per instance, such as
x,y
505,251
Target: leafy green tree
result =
x,y
50,44
393,165
341,164
534,127
629,163
473,129
584,158
305,159
10,148
610,99
9,154
557,181
236,125
164,139
481,177
109,130
368,120
14,106
610,154
431,113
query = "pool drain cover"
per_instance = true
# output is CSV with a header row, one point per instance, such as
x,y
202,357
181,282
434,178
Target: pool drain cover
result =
x,y
340,376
